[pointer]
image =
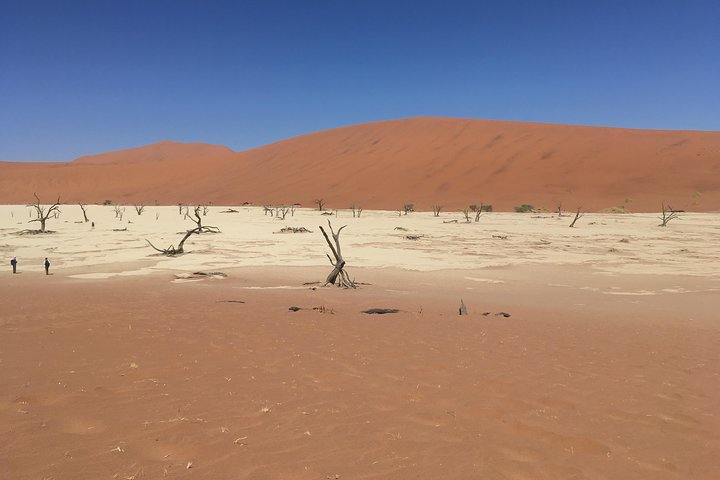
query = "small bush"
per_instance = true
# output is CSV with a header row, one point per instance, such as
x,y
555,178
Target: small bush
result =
x,y
482,207
524,208
619,209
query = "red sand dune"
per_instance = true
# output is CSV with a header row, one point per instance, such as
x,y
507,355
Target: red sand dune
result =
x,y
383,165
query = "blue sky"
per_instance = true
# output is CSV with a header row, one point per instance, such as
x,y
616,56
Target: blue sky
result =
x,y
86,77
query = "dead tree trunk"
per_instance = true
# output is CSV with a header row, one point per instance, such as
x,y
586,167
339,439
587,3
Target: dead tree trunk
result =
x,y
356,211
43,213
281,211
338,276
578,216
667,214
83,207
478,211
171,251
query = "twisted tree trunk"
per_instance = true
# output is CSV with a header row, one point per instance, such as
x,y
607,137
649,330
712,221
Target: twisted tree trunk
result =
x,y
171,251
338,276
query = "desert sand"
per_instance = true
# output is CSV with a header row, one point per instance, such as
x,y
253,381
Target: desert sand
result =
x,y
589,352
425,161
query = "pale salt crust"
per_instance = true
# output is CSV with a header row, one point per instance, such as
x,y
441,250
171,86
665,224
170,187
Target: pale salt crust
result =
x,y
610,244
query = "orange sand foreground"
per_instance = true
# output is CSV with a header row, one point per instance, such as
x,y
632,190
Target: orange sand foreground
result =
x,y
606,368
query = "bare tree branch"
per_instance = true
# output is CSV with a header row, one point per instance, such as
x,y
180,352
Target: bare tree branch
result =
x,y
83,208
171,251
43,212
338,274
667,214
578,216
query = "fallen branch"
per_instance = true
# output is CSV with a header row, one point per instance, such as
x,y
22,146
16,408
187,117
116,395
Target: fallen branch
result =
x,y
380,311
294,230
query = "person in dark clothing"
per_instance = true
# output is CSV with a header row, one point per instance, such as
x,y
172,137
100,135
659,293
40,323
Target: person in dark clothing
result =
x,y
13,262
47,266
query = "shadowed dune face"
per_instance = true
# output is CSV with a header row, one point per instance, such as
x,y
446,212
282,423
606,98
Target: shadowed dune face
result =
x,y
424,161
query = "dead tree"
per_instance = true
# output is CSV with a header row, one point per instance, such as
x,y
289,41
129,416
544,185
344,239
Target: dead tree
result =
x,y
356,211
281,211
338,276
119,212
139,209
43,212
466,213
559,210
477,211
578,216
171,251
83,208
408,208
205,210
667,215
320,203
436,210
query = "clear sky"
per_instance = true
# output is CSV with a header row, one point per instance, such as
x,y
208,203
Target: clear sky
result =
x,y
84,77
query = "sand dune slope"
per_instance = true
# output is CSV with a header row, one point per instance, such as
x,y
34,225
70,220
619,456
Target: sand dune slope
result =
x,y
424,161
162,173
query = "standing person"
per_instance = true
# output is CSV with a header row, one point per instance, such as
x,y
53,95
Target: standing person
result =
x,y
13,262
47,266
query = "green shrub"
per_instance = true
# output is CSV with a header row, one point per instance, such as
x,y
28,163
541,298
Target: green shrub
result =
x,y
619,209
524,208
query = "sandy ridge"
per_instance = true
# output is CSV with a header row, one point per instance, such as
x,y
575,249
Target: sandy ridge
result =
x,y
424,161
